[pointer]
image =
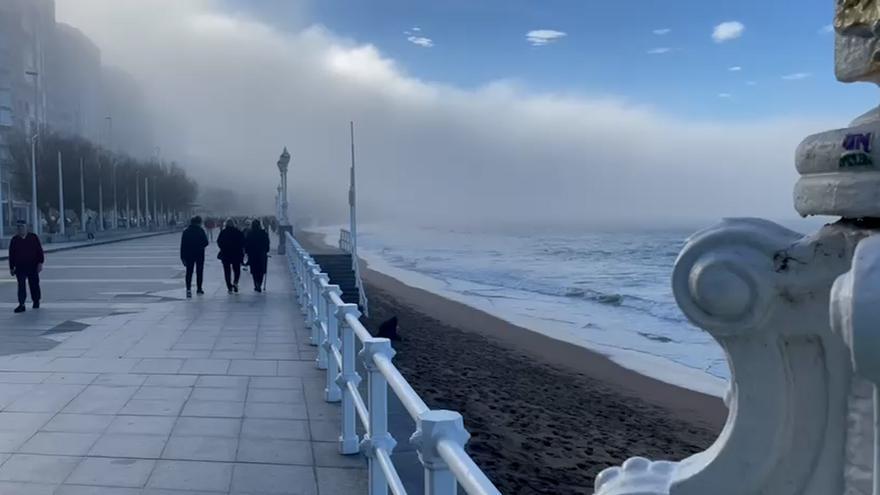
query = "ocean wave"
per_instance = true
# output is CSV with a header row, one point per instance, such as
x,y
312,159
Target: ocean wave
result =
x,y
599,297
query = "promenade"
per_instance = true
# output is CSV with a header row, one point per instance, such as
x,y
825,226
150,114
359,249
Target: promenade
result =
x,y
119,385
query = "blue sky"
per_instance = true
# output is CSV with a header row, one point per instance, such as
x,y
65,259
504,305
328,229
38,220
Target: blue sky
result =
x,y
605,49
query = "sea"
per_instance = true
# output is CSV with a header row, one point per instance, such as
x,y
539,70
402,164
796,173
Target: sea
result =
x,y
606,290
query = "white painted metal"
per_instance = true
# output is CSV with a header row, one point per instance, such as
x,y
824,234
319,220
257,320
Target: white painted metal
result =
x,y
440,437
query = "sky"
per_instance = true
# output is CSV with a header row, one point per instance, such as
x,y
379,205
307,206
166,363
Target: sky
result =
x,y
492,111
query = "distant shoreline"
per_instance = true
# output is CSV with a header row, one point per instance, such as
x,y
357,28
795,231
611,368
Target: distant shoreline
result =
x,y
689,405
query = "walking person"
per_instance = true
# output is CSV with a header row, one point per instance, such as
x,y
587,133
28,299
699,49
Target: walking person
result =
x,y
193,242
90,229
256,245
209,226
231,244
26,260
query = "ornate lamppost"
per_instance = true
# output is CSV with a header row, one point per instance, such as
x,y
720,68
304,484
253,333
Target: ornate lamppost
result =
x,y
284,221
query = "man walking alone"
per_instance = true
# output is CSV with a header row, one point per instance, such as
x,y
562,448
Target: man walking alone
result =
x,y
192,253
25,264
231,244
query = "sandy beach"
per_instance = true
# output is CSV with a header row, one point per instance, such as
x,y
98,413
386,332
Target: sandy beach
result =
x,y
545,415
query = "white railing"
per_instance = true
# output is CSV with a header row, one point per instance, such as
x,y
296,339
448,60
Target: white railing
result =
x,y
346,245
440,435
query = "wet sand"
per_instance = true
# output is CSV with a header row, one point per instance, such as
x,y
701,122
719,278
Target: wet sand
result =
x,y
545,416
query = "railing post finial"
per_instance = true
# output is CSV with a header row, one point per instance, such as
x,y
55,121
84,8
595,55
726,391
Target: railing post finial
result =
x,y
434,427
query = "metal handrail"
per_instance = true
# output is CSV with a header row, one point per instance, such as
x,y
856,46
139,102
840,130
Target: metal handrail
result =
x,y
336,329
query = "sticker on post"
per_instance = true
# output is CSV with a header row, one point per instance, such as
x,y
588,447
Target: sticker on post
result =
x,y
858,147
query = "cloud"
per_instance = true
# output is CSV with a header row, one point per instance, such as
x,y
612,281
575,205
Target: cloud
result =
x,y
727,31
751,83
662,31
735,68
428,153
797,76
725,95
541,37
416,28
826,29
658,51
421,41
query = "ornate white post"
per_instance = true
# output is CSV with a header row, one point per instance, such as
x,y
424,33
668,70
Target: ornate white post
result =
x,y
802,421
349,443
284,221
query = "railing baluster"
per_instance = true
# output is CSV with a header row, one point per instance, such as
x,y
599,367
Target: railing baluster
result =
x,y
379,438
331,391
323,324
434,427
349,443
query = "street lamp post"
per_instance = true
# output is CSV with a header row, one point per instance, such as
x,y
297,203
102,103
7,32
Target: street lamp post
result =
x,y
284,222
36,135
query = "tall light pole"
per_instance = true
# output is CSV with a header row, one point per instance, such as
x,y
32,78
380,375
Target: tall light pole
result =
x,y
36,135
137,196
61,195
82,196
284,222
109,120
352,205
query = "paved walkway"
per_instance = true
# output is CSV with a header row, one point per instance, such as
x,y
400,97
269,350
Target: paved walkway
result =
x,y
156,395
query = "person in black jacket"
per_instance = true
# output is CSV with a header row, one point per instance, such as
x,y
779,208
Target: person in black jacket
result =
x,y
256,245
231,244
26,260
192,253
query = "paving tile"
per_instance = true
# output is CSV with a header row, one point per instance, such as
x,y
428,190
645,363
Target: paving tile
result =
x,y
191,475
101,399
200,448
223,381
285,429
342,481
274,451
21,488
126,445
325,430
10,441
253,367
228,394
38,468
213,408
276,382
276,395
296,368
112,472
60,443
205,366
72,378
79,423
163,393
19,422
275,411
327,455
116,379
49,398
171,381
218,427
98,490
143,425
274,479
158,366
153,407
23,377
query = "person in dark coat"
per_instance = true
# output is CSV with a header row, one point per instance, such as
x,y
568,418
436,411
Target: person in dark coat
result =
x,y
231,244
192,253
26,260
256,245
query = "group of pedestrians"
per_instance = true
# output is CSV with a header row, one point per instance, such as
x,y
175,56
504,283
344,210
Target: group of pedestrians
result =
x,y
249,248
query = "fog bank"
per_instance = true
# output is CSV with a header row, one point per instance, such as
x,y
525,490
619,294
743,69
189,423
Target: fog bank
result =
x,y
229,91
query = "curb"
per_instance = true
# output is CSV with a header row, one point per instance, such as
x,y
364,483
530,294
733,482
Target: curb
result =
x,y
98,243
